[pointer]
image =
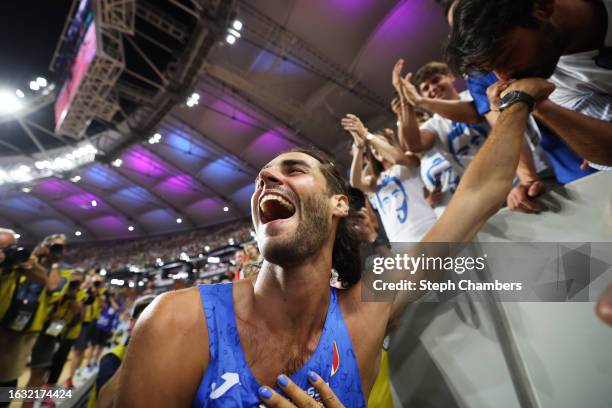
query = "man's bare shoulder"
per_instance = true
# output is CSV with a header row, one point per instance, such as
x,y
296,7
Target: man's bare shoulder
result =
x,y
169,345
178,313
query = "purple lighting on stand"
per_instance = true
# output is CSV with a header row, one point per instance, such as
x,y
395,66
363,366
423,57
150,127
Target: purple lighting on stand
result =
x,y
267,146
50,187
409,19
83,201
181,187
237,117
109,224
143,162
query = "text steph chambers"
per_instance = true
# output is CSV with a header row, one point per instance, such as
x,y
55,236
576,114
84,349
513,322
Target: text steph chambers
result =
x,y
427,285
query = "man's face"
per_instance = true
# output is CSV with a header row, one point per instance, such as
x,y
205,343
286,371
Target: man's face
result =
x,y
392,191
439,86
240,258
6,240
528,53
251,251
291,208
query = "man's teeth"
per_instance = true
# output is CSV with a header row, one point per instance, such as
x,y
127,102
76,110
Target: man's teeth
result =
x,y
280,199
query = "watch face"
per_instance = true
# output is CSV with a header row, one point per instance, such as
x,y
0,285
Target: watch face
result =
x,y
516,96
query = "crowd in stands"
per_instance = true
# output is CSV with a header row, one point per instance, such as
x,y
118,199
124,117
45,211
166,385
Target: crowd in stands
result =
x,y
142,252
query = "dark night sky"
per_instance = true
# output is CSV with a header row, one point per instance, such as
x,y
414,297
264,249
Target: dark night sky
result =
x,y
29,32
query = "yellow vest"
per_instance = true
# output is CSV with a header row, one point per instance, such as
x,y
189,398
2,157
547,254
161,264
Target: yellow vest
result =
x,y
92,402
8,284
74,332
380,395
92,312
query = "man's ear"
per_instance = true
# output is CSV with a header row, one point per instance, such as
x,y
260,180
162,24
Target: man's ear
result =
x,y
341,205
543,9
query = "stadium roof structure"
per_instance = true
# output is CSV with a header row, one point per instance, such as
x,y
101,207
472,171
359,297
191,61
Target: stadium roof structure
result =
x,y
182,155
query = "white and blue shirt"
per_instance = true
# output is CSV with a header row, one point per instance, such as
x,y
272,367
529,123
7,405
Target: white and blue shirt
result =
x,y
405,214
437,172
458,142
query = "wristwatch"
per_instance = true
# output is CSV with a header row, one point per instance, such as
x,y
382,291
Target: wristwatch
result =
x,y
516,96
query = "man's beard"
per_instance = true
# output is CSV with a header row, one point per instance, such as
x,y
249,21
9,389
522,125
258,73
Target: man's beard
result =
x,y
311,233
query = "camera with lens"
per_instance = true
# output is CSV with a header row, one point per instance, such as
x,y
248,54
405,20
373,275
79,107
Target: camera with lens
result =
x,y
15,254
74,284
56,249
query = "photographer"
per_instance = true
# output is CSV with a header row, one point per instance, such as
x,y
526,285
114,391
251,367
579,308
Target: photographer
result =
x,y
64,317
49,253
104,327
92,302
25,281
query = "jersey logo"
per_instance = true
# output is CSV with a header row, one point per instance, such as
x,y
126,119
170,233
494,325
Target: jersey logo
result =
x,y
231,379
335,360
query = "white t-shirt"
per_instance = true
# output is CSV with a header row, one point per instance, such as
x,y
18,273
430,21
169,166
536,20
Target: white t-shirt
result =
x,y
577,76
457,142
405,214
436,171
582,85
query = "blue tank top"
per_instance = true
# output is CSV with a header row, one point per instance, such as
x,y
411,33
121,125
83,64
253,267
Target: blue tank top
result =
x,y
228,381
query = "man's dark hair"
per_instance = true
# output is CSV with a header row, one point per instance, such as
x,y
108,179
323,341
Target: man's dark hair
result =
x,y
428,71
479,28
446,5
345,256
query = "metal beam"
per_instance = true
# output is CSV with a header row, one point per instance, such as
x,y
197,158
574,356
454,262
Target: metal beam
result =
x,y
162,22
150,63
265,30
46,131
12,147
33,137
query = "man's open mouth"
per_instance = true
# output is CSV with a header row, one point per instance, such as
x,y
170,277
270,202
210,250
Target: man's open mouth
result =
x,y
275,206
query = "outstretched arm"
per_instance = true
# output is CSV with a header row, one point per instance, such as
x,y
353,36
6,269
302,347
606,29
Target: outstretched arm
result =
x,y
392,154
488,179
411,138
590,138
358,180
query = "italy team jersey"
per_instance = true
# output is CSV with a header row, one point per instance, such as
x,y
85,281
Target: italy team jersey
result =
x,y
228,381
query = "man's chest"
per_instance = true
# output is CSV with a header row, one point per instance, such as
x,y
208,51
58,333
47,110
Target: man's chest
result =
x,y
268,355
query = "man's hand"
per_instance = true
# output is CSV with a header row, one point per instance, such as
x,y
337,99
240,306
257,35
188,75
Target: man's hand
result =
x,y
298,397
521,197
410,92
434,197
361,226
538,88
396,105
40,250
494,94
396,76
353,124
